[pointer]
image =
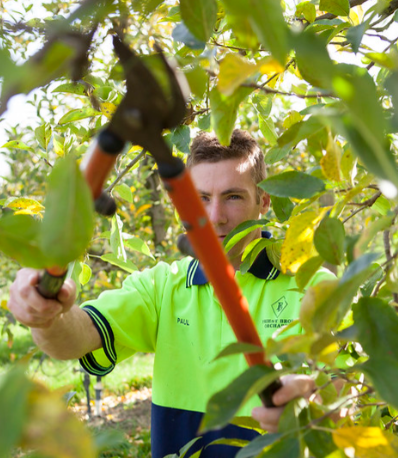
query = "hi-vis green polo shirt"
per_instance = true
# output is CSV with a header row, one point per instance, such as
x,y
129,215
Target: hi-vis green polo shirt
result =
x,y
171,310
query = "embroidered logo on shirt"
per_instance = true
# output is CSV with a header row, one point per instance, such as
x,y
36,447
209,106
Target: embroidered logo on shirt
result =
x,y
279,306
183,321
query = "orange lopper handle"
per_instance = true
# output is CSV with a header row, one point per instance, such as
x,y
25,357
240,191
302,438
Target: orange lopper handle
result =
x,y
218,270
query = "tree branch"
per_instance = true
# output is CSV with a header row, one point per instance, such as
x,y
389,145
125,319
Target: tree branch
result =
x,y
368,203
268,90
125,170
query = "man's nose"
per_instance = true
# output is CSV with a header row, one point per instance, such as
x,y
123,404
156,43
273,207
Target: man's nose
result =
x,y
216,212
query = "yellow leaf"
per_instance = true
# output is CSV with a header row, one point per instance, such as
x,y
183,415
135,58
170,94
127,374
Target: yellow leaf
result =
x,y
234,70
23,203
292,118
298,245
270,65
108,109
142,209
52,430
330,162
368,442
354,17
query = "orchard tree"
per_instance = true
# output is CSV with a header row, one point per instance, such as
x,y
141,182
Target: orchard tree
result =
x,y
316,84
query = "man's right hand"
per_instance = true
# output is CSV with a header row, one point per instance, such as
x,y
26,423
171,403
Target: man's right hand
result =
x,y
60,328
33,310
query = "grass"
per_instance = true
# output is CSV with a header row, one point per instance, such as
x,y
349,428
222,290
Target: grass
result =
x,y
125,440
134,373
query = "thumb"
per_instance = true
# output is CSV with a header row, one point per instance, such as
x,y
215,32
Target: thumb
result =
x,y
67,294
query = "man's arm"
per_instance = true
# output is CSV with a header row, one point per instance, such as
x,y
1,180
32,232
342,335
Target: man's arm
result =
x,y
60,328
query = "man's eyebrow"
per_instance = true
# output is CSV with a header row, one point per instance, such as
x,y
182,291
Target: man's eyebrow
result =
x,y
226,192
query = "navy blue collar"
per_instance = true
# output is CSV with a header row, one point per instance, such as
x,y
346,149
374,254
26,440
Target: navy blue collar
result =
x,y
261,268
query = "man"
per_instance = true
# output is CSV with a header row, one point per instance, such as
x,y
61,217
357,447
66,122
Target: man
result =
x,y
172,311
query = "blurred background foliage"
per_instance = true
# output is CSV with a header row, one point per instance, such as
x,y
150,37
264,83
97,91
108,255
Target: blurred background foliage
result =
x,y
316,84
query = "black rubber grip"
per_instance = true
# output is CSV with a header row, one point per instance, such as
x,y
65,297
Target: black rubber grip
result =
x,y
49,285
267,393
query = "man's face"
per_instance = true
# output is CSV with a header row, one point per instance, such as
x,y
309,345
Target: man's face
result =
x,y
229,195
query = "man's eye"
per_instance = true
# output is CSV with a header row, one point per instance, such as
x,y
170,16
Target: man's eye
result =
x,y
204,198
235,197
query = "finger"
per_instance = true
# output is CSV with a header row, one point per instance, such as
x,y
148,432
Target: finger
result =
x,y
67,294
293,386
268,417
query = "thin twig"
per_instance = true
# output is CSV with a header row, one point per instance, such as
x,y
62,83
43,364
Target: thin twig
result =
x,y
125,170
367,204
268,90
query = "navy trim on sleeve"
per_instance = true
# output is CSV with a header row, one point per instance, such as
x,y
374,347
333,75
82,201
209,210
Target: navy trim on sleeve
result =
x,y
104,329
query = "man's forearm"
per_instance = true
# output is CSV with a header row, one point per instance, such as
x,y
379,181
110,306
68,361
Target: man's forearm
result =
x,y
71,335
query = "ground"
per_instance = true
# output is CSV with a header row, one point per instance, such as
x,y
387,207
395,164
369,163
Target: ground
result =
x,y
131,410
129,413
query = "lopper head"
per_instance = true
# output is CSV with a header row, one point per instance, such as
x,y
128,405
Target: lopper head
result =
x,y
151,104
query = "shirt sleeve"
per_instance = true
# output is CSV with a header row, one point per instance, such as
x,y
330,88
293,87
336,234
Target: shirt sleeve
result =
x,y
126,319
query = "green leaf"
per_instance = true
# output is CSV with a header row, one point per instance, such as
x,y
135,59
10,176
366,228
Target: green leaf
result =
x,y
78,114
267,21
359,266
383,372
377,324
85,274
320,443
236,348
14,391
71,88
382,205
252,251
137,244
391,85
199,16
276,154
308,270
181,138
224,111
197,80
332,308
182,34
306,9
145,6
127,265
223,405
294,184
68,222
329,240
282,207
313,60
287,447
20,240
300,131
204,122
258,444
368,287
241,231
263,104
124,192
18,145
365,126
116,238
43,135
355,34
267,128
336,7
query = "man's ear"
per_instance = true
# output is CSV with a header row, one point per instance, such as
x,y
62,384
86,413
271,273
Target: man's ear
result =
x,y
265,201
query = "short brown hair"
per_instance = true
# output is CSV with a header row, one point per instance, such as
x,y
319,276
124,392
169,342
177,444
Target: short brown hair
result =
x,y
207,148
